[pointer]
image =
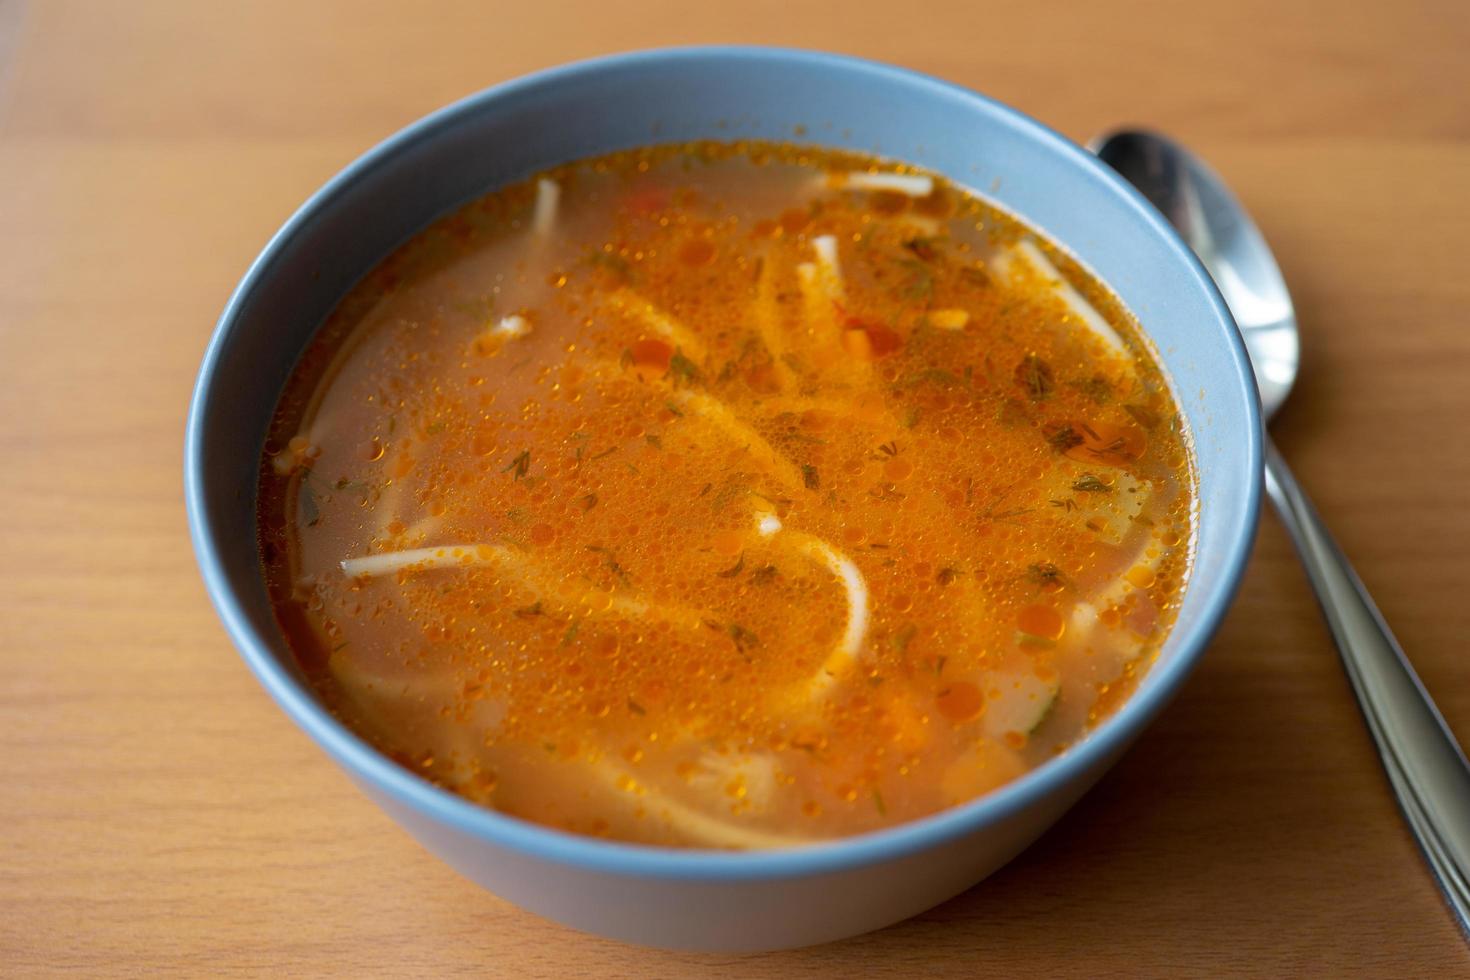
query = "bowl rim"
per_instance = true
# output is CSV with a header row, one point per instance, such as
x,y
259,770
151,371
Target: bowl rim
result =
x,y
699,865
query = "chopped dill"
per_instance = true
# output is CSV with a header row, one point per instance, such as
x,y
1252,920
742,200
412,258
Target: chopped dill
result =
x,y
810,477
1036,377
1090,483
743,637
311,512
923,248
572,631
1045,574
682,368
519,466
1064,438
1097,388
734,569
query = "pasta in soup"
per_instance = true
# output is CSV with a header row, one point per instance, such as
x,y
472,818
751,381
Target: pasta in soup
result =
x,y
726,495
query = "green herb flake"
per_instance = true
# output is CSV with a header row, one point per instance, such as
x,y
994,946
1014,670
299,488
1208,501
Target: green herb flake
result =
x,y
1045,574
682,368
1036,377
1097,388
519,466
1064,438
743,637
311,512
810,477
1142,415
1090,483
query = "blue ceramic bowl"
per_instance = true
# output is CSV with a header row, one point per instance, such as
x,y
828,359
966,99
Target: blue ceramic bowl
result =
x,y
699,899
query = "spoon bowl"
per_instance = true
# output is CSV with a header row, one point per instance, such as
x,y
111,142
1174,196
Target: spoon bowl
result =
x,y
1212,223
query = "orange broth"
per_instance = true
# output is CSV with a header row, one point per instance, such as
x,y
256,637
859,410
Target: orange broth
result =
x,y
726,495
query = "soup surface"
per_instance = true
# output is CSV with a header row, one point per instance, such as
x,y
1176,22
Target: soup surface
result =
x,y
726,495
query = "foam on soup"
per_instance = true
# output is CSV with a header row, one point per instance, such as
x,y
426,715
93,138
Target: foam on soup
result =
x,y
726,495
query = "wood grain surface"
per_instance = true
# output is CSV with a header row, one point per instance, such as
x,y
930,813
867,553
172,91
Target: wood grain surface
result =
x,y
159,815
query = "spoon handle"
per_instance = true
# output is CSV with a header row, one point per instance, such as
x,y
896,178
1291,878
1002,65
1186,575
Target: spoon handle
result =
x,y
1425,766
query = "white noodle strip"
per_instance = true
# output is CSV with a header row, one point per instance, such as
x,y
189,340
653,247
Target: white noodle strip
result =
x,y
848,647
511,326
1084,311
768,323
423,559
825,246
543,215
768,525
628,302
912,185
468,555
715,412
693,824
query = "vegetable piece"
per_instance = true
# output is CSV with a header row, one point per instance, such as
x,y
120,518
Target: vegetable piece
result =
x,y
949,319
1018,701
753,775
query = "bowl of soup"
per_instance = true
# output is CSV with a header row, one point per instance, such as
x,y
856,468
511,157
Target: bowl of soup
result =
x,y
724,498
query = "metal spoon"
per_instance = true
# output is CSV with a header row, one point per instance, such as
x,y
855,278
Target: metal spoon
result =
x,y
1425,766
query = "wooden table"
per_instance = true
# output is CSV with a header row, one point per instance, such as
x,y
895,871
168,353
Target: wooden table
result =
x,y
159,814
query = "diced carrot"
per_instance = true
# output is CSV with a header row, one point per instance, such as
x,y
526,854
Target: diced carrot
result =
x,y
697,252
880,339
646,200
883,340
651,358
